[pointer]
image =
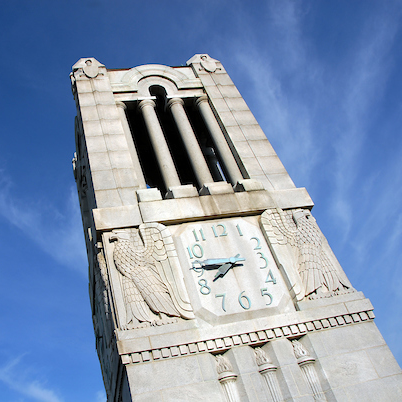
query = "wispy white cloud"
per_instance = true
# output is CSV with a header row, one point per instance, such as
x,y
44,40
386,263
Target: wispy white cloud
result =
x,y
56,230
358,94
279,80
318,113
14,374
381,220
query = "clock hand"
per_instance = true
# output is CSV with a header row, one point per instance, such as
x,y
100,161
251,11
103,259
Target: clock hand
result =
x,y
219,261
223,269
222,264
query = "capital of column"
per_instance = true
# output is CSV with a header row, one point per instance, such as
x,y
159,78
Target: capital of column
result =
x,y
173,101
121,105
226,376
202,98
266,367
146,102
305,360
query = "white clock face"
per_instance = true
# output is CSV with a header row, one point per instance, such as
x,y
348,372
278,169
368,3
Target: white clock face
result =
x,y
229,270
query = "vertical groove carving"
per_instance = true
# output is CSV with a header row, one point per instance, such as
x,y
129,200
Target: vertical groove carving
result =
x,y
268,371
227,378
306,364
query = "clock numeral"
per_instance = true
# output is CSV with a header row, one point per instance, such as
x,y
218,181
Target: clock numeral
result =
x,y
239,230
202,234
195,251
196,236
223,295
258,246
270,278
198,270
241,297
262,256
214,229
264,292
204,289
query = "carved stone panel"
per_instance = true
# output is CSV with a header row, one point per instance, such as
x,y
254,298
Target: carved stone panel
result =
x,y
303,254
229,270
145,277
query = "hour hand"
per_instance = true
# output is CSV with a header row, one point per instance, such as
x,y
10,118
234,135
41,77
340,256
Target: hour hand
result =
x,y
223,269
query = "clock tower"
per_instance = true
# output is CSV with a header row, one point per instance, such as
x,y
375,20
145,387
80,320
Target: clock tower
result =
x,y
209,278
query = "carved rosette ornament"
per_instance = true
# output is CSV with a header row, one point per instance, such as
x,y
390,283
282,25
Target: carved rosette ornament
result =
x,y
306,364
303,254
268,371
227,378
148,264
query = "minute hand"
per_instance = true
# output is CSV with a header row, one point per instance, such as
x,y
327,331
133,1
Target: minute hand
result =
x,y
220,261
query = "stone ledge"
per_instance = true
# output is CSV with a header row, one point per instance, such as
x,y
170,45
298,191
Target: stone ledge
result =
x,y
292,198
216,188
185,331
116,217
184,191
195,208
353,301
149,194
152,209
248,185
248,338
223,205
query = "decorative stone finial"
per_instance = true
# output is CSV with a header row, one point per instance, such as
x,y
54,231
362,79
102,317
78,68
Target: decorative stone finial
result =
x,y
208,64
89,66
222,364
263,361
224,368
301,353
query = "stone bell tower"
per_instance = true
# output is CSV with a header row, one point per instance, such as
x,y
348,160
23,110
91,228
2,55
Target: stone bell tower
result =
x,y
209,278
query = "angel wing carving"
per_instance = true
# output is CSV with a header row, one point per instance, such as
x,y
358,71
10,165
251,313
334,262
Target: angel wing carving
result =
x,y
298,228
145,258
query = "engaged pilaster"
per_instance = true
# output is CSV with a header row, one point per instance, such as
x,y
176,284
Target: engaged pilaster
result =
x,y
227,378
268,371
306,364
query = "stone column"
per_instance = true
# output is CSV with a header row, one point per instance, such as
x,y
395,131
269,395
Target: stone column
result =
x,y
121,107
210,155
227,378
306,364
193,149
165,161
219,139
268,371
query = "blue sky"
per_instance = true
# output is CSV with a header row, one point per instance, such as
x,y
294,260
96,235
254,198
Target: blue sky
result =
x,y
323,79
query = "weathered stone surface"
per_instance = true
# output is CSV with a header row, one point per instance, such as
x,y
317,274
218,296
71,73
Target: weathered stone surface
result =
x,y
190,278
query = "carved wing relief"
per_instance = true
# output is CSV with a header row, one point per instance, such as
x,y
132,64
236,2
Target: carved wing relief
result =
x,y
303,254
152,290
